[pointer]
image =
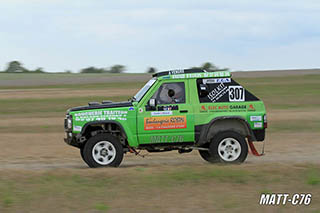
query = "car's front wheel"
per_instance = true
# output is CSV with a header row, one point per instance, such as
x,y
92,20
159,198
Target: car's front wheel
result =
x,y
82,154
103,150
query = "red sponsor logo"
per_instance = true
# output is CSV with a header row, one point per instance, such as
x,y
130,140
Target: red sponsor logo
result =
x,y
224,107
214,108
203,107
251,108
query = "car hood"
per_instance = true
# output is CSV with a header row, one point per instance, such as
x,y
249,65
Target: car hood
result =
x,y
102,106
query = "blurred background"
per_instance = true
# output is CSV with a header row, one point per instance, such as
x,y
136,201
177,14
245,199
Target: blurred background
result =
x,y
58,54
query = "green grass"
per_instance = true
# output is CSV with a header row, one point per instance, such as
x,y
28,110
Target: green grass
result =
x,y
191,175
313,177
106,186
44,105
51,81
27,128
126,85
101,207
280,79
294,125
265,191
292,92
7,201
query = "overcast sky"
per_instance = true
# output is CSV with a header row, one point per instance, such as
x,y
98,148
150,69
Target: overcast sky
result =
x,y
61,35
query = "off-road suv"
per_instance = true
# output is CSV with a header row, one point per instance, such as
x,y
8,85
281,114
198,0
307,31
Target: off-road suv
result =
x,y
176,110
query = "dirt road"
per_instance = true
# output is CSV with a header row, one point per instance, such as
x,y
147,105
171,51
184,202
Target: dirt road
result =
x,y
48,151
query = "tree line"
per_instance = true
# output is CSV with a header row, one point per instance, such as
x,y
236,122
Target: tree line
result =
x,y
17,67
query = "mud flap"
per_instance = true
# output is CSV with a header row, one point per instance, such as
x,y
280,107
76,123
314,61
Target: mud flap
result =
x,y
253,149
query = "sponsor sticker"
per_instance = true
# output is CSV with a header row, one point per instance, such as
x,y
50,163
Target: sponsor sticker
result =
x,y
256,118
100,115
238,107
202,75
77,128
175,72
257,125
167,122
224,108
166,138
203,108
251,108
216,80
161,113
217,92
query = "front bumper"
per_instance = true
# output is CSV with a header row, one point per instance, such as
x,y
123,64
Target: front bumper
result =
x,y
68,137
71,139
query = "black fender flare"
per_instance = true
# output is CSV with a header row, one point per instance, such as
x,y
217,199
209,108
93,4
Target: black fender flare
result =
x,y
203,138
84,128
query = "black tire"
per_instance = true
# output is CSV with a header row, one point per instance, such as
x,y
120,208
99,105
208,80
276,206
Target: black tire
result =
x,y
234,137
206,156
103,139
81,153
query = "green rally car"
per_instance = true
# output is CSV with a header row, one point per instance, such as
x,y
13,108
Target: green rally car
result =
x,y
176,110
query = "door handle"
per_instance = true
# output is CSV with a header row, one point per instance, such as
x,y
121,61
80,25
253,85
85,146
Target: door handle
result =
x,y
183,111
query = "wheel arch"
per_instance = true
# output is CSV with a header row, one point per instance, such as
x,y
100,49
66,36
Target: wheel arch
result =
x,y
107,126
225,123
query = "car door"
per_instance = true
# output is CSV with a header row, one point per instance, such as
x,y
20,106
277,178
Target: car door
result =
x,y
171,120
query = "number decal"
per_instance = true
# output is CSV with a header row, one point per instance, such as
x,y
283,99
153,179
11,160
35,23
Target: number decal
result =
x,y
236,93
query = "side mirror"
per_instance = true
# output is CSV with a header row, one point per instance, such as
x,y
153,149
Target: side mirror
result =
x,y
152,102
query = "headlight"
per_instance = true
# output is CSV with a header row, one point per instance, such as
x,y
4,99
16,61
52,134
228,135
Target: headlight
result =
x,y
68,122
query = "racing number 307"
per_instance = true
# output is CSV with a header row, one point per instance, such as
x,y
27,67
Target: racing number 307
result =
x,y
236,93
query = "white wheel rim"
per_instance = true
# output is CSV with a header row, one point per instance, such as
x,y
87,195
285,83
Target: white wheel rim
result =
x,y
104,152
229,149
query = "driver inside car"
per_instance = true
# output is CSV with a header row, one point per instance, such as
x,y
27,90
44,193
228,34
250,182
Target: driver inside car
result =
x,y
171,94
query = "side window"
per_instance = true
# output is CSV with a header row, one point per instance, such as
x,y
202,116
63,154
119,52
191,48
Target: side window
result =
x,y
222,90
170,93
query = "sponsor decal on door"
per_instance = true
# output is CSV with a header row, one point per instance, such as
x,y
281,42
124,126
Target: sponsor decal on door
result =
x,y
161,113
167,122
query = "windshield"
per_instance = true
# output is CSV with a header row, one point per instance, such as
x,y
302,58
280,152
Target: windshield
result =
x,y
144,89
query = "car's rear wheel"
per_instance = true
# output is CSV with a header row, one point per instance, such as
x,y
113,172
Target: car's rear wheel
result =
x,y
228,147
207,156
103,150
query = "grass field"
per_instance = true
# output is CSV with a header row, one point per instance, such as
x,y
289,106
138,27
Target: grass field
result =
x,y
38,172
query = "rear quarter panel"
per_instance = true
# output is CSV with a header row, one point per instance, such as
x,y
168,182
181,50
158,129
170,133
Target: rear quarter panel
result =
x,y
252,111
